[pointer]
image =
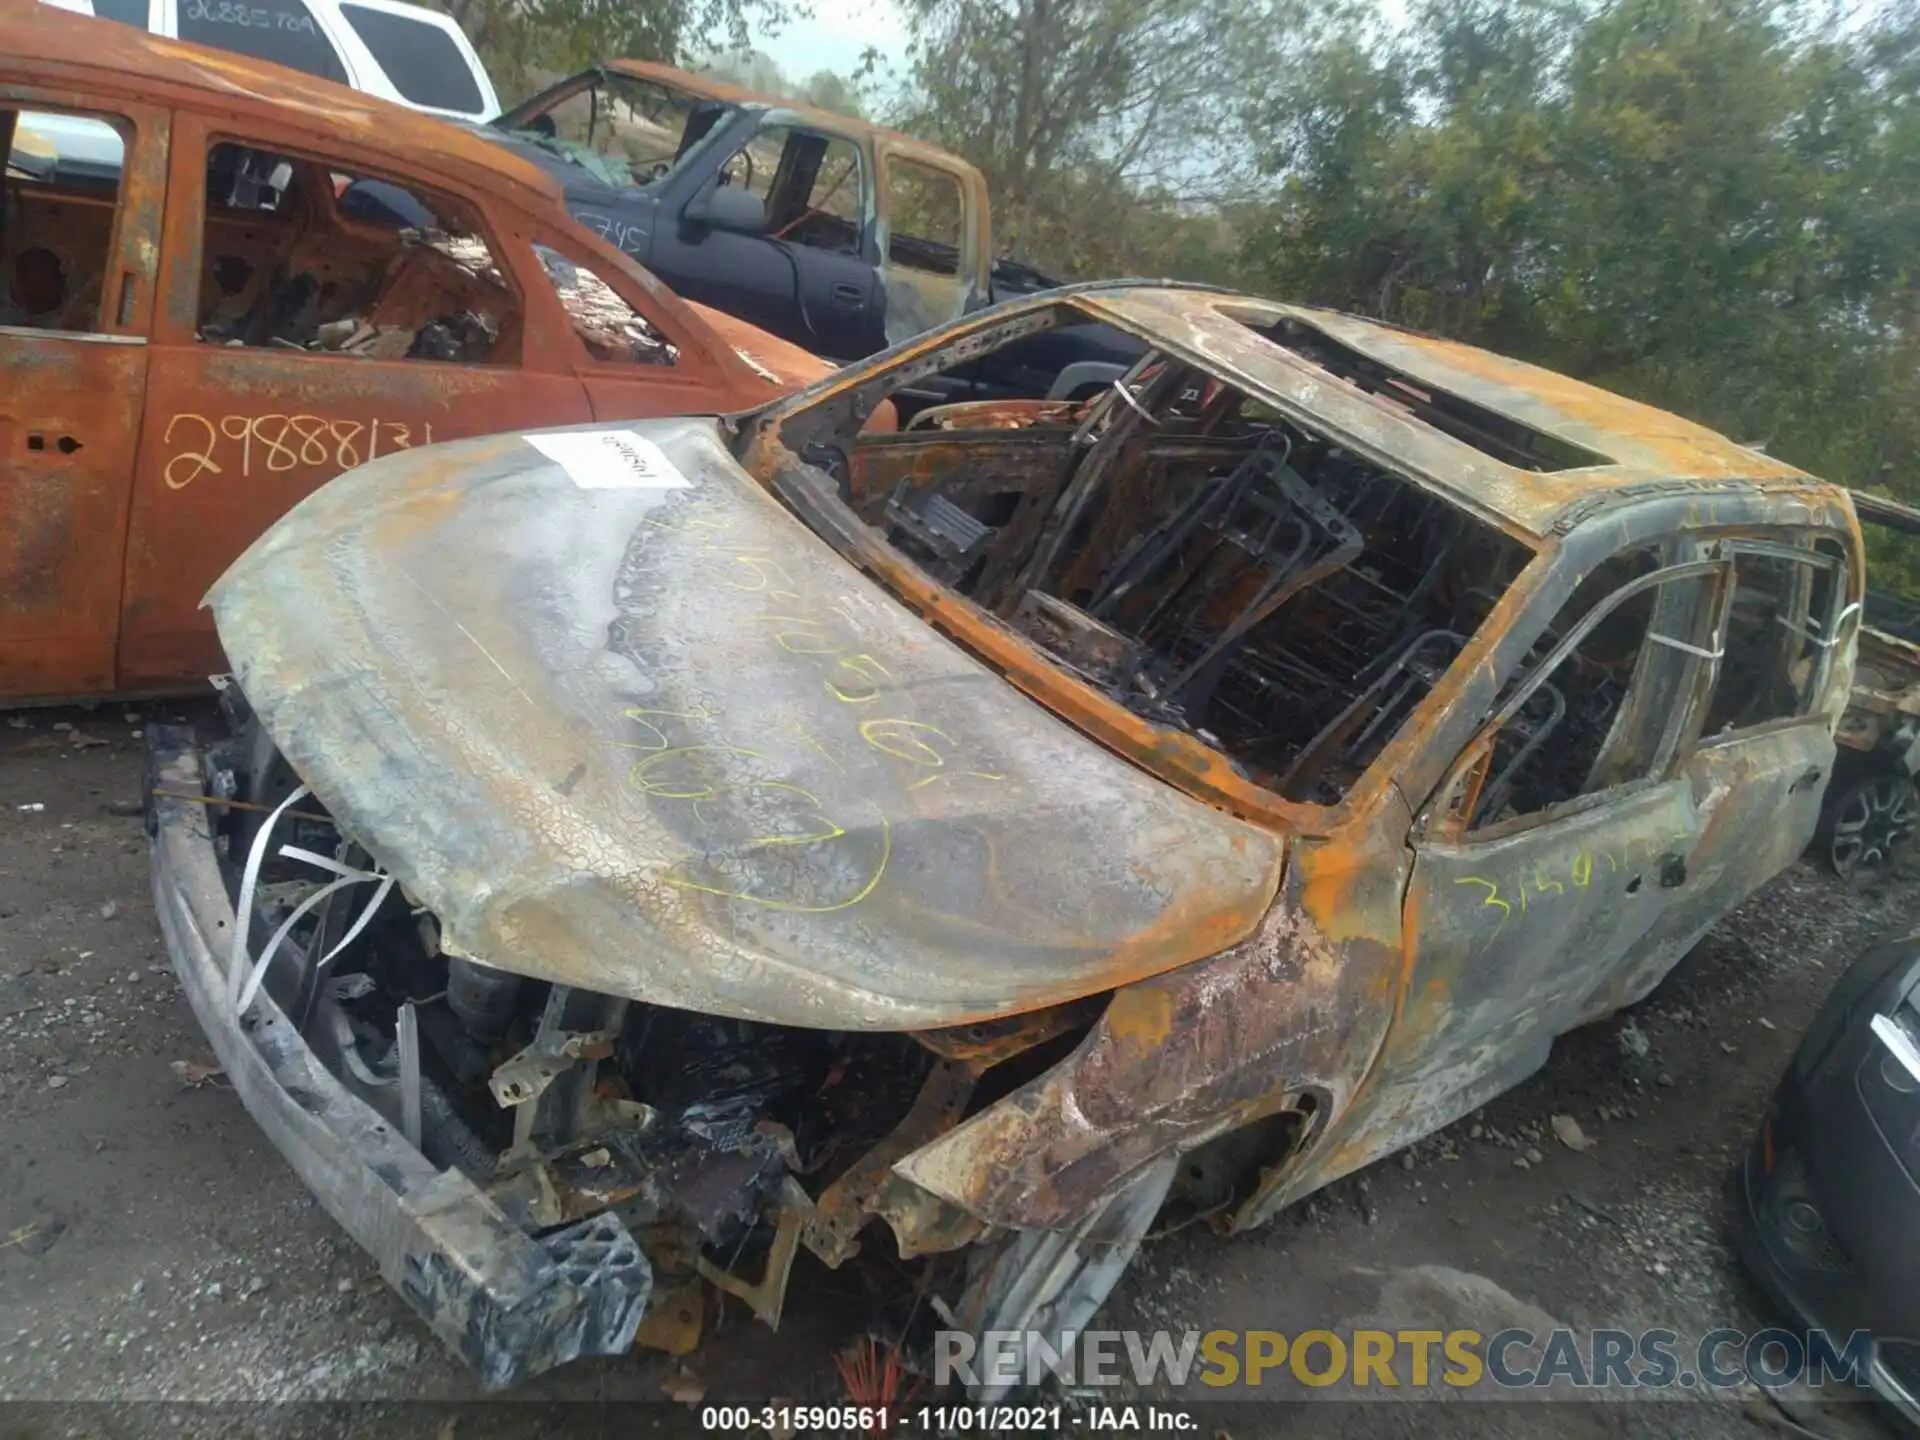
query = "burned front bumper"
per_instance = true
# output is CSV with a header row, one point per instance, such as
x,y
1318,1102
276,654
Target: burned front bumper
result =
x,y
509,1304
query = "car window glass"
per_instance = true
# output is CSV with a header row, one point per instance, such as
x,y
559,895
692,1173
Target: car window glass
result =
x,y
924,213
610,328
127,12
305,255
283,32
1781,612
421,60
57,223
1577,734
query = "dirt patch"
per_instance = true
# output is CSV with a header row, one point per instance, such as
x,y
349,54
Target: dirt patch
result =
x,y
157,1246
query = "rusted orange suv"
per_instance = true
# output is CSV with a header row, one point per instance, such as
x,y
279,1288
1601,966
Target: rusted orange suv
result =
x,y
207,308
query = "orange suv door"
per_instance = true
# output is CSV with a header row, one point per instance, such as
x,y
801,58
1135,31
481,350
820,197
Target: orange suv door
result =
x,y
78,244
304,329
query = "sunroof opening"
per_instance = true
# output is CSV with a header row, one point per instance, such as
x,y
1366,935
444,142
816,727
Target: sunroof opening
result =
x,y
1488,431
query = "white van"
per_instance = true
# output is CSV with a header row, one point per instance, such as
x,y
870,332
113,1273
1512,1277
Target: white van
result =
x,y
404,53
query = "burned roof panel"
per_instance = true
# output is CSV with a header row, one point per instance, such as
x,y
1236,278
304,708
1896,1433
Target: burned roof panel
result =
x,y
1634,444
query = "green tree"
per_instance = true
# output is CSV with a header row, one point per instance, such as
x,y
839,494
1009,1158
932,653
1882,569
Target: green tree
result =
x,y
827,91
1707,204
1083,112
522,41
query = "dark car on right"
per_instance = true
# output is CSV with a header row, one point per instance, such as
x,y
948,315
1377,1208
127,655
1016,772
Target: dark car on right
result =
x,y
1829,1214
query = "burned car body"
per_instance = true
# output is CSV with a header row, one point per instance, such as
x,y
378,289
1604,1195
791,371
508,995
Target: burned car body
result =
x,y
1006,829
210,317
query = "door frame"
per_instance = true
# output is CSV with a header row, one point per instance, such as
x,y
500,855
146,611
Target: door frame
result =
x,y
96,526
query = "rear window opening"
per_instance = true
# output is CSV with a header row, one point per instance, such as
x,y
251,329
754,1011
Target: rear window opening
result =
x,y
1204,562
1497,436
305,255
58,205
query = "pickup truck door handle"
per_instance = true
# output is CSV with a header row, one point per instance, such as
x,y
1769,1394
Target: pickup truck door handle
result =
x,y
847,297
1808,779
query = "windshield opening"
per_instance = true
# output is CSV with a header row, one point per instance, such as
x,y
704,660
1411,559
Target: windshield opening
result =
x,y
1178,544
628,133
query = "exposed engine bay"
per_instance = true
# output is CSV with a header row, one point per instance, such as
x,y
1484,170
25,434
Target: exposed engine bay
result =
x,y
653,1151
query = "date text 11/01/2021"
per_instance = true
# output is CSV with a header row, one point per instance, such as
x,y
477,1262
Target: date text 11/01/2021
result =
x,y
943,1419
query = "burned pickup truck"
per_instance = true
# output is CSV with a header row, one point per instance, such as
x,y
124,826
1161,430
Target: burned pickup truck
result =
x,y
678,846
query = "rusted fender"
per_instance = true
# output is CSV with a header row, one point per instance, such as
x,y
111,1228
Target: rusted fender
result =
x,y
658,740
1291,1018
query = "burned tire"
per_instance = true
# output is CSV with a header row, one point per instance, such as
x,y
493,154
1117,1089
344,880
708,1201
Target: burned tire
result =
x,y
1864,825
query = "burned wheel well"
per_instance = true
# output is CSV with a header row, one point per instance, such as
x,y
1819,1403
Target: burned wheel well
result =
x,y
1216,1181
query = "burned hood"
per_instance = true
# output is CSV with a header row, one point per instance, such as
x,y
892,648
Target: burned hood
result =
x,y
620,721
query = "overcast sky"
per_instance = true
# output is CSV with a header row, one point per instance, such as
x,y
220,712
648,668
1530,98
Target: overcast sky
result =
x,y
834,37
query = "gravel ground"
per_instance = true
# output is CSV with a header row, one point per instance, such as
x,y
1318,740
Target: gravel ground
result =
x,y
154,1246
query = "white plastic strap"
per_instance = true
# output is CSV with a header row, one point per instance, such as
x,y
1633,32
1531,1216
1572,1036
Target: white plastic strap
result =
x,y
324,862
1672,643
1132,404
244,980
1824,642
272,947
249,879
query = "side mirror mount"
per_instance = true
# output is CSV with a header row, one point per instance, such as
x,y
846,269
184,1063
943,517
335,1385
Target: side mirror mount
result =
x,y
729,207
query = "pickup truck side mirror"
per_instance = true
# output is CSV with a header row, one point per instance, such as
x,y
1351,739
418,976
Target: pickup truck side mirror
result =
x,y
729,207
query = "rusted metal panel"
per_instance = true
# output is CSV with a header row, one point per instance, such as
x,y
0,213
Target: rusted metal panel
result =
x,y
1290,1018
750,754
707,87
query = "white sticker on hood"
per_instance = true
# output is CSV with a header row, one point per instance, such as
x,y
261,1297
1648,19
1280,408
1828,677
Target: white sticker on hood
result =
x,y
610,460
